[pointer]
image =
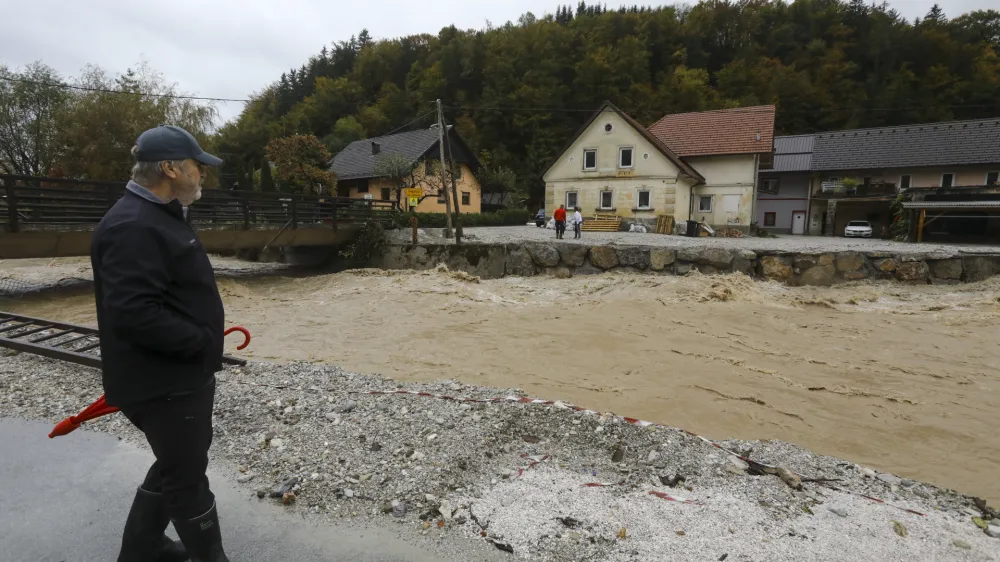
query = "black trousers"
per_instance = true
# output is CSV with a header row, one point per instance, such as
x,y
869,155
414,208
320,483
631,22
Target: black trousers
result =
x,y
560,228
179,430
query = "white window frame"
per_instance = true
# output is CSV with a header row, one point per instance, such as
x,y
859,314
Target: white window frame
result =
x,y
576,195
901,181
601,200
621,150
952,174
766,181
649,199
585,151
987,179
711,203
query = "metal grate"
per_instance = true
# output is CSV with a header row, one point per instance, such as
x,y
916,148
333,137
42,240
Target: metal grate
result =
x,y
58,340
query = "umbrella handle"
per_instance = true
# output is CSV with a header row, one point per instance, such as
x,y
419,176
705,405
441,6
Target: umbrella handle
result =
x,y
242,330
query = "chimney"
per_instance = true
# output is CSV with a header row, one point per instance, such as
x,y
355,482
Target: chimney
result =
x,y
376,148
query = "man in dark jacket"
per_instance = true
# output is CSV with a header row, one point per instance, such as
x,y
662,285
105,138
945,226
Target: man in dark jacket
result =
x,y
161,321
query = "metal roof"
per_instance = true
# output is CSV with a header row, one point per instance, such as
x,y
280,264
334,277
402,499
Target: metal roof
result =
x,y
792,153
932,144
951,205
794,144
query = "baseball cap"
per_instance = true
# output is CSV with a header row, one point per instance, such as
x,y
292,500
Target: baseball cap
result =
x,y
168,142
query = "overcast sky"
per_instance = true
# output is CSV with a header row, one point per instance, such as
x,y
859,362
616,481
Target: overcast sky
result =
x,y
231,48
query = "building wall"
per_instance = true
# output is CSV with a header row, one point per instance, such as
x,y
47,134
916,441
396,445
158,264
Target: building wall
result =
x,y
466,182
725,175
652,171
793,195
920,177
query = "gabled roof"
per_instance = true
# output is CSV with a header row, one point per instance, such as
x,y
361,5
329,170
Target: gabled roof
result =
x,y
933,144
356,161
745,130
792,153
683,166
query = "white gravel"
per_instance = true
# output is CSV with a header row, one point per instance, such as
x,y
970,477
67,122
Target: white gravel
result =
x,y
785,243
351,455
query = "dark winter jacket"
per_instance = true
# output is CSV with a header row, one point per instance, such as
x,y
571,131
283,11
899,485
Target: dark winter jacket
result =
x,y
158,308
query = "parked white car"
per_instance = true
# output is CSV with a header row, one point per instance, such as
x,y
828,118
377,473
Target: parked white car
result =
x,y
858,229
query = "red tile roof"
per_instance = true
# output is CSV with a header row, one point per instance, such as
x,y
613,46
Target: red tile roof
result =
x,y
744,130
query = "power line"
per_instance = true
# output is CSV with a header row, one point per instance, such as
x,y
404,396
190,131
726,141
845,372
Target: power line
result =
x,y
126,92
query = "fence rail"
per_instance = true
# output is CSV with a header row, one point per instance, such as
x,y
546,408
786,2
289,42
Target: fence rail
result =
x,y
30,203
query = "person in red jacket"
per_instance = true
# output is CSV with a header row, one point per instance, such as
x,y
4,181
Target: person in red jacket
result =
x,y
560,216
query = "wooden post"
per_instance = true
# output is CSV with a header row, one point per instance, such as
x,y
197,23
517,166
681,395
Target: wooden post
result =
x,y
12,225
295,214
920,227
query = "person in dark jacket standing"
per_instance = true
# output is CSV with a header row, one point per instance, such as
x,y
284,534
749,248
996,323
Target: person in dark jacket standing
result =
x,y
161,322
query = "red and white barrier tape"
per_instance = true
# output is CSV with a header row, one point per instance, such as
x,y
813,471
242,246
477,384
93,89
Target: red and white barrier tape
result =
x,y
633,421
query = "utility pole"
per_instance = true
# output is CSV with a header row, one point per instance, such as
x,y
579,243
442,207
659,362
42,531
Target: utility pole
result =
x,y
454,190
444,184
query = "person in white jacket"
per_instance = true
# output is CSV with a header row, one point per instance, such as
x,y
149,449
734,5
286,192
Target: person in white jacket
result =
x,y
577,222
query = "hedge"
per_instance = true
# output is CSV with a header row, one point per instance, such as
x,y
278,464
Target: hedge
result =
x,y
507,217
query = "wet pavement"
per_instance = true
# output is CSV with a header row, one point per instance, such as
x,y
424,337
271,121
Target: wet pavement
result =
x,y
66,499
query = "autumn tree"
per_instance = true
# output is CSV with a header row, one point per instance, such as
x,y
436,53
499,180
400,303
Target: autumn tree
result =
x,y
32,104
301,163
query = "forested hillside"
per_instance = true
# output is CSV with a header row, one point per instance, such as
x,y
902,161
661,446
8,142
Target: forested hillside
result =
x,y
518,91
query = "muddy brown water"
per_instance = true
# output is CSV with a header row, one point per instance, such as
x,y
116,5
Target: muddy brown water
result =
x,y
899,378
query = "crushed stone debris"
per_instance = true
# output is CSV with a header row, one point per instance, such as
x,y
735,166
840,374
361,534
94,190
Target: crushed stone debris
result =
x,y
567,495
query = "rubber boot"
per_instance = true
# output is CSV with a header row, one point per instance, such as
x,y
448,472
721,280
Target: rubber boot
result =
x,y
202,537
143,538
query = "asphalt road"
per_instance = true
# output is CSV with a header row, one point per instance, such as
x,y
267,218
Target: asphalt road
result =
x,y
66,499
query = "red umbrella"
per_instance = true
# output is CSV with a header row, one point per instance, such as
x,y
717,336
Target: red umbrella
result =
x,y
100,407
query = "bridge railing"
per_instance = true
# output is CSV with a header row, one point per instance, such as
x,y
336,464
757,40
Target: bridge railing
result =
x,y
29,203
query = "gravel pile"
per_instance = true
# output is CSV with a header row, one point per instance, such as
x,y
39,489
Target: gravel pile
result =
x,y
786,243
521,475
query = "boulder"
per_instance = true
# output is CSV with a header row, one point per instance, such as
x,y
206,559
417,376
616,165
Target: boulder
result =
x,y
633,256
683,268
805,261
855,275
821,275
743,262
543,255
850,261
603,257
912,271
660,258
826,259
707,269
977,269
946,269
573,255
519,264
775,267
887,265
717,257
688,254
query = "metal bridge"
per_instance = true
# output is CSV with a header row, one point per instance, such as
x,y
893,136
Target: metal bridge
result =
x,y
54,217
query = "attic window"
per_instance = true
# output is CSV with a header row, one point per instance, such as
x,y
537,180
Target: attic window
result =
x,y
590,159
607,128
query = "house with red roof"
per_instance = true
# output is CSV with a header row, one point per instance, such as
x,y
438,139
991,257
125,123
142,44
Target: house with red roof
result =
x,y
689,166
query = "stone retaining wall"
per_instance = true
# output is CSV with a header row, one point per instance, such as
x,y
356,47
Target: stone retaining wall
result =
x,y
491,261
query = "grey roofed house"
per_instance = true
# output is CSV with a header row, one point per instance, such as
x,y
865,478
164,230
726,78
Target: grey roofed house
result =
x,y
792,153
358,159
933,144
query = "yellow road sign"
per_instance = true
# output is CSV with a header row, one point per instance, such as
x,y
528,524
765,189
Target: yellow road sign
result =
x,y
414,201
414,192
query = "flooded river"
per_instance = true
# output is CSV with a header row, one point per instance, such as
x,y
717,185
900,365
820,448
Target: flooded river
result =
x,y
899,378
